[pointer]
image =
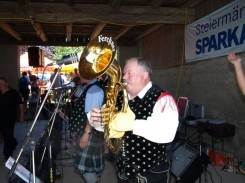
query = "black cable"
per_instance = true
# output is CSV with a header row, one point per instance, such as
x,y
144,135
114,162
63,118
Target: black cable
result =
x,y
217,173
211,177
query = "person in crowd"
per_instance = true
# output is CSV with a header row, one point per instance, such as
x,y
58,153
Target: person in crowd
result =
x,y
64,79
150,124
89,161
10,101
57,83
70,76
76,77
33,82
24,83
235,60
33,102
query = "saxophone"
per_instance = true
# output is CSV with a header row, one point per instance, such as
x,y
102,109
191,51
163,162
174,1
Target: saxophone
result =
x,y
98,58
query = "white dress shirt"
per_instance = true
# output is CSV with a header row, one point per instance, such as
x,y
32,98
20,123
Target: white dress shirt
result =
x,y
162,125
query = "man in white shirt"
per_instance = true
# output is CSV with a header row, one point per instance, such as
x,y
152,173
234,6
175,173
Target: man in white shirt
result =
x,y
143,151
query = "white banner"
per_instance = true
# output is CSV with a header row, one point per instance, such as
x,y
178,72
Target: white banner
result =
x,y
217,34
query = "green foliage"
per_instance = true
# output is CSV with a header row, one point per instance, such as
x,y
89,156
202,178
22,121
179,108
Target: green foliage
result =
x,y
61,51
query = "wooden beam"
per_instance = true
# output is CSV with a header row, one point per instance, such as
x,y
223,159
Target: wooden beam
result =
x,y
23,2
189,4
116,2
124,14
123,31
39,30
192,3
68,31
6,27
98,28
70,2
156,3
148,31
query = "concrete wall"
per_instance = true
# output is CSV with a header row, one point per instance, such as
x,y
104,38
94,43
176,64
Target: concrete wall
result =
x,y
211,83
10,64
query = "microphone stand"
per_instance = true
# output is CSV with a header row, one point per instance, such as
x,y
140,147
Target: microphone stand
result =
x,y
66,148
48,142
32,146
28,135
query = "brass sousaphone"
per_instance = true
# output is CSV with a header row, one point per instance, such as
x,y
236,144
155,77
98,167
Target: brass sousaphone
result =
x,y
98,58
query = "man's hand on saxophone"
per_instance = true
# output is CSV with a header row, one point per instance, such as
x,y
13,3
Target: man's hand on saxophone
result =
x,y
121,122
95,117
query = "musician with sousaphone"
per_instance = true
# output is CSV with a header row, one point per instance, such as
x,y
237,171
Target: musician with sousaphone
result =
x,y
139,118
89,160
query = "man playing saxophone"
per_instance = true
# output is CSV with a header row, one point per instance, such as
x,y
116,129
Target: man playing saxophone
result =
x,y
142,155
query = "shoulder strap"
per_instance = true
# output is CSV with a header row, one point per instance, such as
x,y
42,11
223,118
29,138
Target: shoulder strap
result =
x,y
90,85
97,83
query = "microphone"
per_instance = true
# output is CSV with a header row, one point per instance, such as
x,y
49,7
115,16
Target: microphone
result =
x,y
69,85
66,60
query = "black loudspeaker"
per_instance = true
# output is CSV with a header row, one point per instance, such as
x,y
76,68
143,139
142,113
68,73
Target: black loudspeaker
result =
x,y
35,57
186,164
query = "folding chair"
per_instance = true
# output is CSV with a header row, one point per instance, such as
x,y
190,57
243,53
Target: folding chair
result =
x,y
183,106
